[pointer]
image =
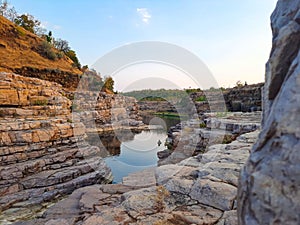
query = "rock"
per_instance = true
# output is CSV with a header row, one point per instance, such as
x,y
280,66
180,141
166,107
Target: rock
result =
x,y
142,202
144,178
197,214
42,152
204,193
268,187
217,194
164,154
220,128
229,218
106,112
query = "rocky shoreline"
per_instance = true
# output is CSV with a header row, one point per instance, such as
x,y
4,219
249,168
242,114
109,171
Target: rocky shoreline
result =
x,y
198,190
192,137
43,153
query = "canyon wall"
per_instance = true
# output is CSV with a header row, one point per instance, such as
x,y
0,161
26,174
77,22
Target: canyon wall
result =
x,y
43,155
269,183
246,98
102,112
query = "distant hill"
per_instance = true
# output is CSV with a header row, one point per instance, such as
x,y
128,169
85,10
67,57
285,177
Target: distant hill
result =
x,y
19,53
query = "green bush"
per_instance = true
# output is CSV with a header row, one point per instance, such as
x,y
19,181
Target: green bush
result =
x,y
20,31
60,55
201,99
202,125
46,50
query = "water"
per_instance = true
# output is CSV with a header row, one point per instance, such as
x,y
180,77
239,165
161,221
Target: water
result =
x,y
137,154
126,152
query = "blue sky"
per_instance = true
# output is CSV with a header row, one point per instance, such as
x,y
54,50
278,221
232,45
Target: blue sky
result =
x,y
232,37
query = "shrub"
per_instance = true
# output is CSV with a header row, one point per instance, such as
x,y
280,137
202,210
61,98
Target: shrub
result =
x,y
72,55
201,99
20,31
60,55
202,125
46,50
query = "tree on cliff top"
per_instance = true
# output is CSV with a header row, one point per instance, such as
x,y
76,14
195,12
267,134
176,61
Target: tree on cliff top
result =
x,y
7,11
108,85
28,22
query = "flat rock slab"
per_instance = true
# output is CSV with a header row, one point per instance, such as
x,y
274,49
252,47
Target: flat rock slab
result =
x,y
144,178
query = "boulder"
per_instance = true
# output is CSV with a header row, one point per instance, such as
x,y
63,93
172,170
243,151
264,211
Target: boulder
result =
x,y
269,182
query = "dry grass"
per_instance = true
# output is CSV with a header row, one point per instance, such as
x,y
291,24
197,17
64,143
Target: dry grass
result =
x,y
18,49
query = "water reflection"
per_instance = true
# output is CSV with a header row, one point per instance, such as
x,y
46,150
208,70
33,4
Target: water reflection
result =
x,y
126,152
137,154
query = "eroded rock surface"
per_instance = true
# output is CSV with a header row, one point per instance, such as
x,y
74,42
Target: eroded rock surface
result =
x,y
200,190
270,181
43,155
194,136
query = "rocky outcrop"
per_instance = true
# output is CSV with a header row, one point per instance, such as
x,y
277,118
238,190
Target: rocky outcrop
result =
x,y
156,106
43,155
106,112
199,190
270,181
193,137
245,99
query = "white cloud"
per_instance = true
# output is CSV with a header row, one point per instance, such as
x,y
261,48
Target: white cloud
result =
x,y
144,14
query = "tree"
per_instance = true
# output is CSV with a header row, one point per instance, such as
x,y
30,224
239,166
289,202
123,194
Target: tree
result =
x,y
62,45
41,31
8,12
27,22
108,84
72,55
3,8
239,84
85,68
49,37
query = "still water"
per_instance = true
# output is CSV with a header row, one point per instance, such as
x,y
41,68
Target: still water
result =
x,y
137,154
126,152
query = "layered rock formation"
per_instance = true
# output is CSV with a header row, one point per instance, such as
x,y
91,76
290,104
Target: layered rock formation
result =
x,y
246,98
193,137
199,190
43,155
270,181
106,112
238,99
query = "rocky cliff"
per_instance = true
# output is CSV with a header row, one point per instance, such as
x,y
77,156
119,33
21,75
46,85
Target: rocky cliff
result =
x,y
238,99
270,181
43,155
246,98
106,112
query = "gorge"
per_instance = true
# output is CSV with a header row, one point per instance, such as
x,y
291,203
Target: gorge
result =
x,y
63,151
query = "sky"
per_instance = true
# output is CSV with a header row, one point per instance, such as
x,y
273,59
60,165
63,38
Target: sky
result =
x,y
232,37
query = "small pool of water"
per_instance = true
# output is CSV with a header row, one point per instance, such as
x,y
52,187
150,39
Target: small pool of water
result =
x,y
126,152
137,154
